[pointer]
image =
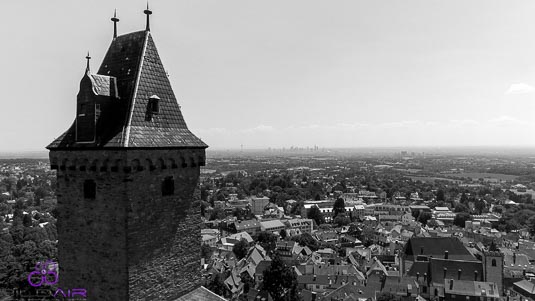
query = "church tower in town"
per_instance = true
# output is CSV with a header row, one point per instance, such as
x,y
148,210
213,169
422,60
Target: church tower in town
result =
x,y
127,170
493,267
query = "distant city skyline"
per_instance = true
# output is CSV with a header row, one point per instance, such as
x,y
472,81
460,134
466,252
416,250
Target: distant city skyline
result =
x,y
301,73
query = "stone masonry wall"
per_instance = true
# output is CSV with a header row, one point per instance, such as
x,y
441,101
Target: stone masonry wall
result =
x,y
130,242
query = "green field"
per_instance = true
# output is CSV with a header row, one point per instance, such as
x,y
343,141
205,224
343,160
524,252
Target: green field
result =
x,y
430,179
484,175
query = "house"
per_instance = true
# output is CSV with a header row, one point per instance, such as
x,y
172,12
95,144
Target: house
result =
x,y
462,290
241,235
250,226
272,226
304,225
209,240
525,288
258,204
405,288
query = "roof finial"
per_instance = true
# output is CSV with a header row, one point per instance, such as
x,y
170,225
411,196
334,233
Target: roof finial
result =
x,y
115,20
88,58
148,12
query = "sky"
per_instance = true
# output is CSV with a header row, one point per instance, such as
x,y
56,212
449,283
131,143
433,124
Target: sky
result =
x,y
289,73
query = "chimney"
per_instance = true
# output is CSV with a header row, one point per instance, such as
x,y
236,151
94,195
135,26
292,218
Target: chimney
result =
x,y
417,276
475,275
446,254
314,277
451,284
459,274
445,271
425,277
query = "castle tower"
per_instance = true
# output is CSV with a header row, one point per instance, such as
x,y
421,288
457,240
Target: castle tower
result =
x,y
127,170
493,268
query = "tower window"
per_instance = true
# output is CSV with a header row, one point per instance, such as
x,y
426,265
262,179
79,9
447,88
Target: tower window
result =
x,y
168,186
153,107
97,111
90,189
154,104
493,262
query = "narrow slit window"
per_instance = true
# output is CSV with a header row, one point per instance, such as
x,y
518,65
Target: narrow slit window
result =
x,y
81,113
168,186
90,189
97,111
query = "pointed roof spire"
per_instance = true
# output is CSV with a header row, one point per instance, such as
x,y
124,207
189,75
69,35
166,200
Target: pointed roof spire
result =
x,y
115,20
88,58
148,12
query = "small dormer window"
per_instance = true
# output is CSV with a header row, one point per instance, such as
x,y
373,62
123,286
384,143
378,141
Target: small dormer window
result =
x,y
154,104
153,107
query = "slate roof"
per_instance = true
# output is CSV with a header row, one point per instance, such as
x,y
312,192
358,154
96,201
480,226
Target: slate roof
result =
x,y
525,286
418,267
489,290
436,247
104,85
130,73
400,285
200,293
468,269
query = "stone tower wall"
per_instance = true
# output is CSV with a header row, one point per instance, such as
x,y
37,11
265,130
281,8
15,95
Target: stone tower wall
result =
x,y
493,273
130,242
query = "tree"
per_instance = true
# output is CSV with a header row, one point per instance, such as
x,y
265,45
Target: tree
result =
x,y
280,281
464,198
441,196
268,241
461,207
480,206
367,236
40,193
240,249
342,220
424,217
315,214
217,213
531,225
306,240
338,207
461,218
27,220
217,284
206,251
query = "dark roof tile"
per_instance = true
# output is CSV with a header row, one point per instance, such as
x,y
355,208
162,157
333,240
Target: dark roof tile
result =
x,y
133,71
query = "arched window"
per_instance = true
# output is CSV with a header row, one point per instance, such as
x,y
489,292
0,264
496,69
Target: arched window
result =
x,y
90,189
168,186
493,262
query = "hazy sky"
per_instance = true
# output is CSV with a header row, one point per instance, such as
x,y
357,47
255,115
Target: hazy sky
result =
x,y
282,73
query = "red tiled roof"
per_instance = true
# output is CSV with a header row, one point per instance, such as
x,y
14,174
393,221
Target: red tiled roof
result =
x,y
132,64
